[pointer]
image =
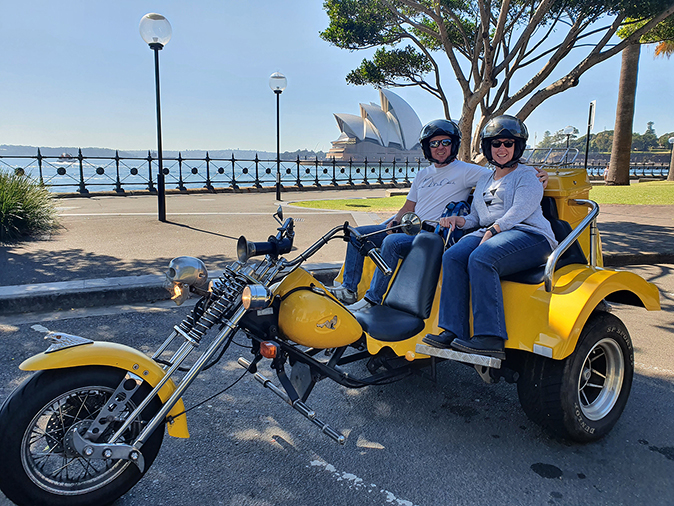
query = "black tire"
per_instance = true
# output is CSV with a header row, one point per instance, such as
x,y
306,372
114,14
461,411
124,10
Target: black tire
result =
x,y
581,397
33,421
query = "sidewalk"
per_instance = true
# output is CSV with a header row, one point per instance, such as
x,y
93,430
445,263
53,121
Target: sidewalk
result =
x,y
113,250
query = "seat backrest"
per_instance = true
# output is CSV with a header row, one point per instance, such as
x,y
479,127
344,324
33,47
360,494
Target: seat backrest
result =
x,y
561,228
413,287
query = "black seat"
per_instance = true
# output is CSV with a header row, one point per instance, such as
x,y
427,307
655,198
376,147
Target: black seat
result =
x,y
410,298
561,228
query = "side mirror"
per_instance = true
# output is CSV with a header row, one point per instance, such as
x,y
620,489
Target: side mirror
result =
x,y
279,215
410,224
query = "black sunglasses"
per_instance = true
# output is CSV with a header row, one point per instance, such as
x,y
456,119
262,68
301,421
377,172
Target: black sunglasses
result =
x,y
507,144
444,142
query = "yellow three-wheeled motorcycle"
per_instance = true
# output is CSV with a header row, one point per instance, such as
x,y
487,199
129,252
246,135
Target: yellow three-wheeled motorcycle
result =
x,y
89,423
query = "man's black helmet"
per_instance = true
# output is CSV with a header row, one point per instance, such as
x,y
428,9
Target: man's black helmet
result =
x,y
440,127
504,127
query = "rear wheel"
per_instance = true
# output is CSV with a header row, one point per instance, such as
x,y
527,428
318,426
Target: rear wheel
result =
x,y
581,397
39,464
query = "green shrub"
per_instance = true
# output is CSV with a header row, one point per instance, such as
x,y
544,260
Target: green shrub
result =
x,y
26,208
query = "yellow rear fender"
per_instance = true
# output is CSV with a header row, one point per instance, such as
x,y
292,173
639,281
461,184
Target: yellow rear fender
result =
x,y
549,324
120,357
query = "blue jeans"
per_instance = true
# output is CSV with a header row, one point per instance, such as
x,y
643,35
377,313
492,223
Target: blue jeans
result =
x,y
353,264
468,267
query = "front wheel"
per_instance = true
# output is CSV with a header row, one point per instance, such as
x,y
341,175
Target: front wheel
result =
x,y
581,397
39,465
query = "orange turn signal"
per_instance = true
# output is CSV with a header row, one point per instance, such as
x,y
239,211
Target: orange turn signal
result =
x,y
268,349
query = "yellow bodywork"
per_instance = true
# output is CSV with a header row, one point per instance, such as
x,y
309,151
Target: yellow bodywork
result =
x,y
312,319
120,357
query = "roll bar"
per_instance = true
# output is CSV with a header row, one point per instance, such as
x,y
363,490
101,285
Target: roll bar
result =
x,y
591,221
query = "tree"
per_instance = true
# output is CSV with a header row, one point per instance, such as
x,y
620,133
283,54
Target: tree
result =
x,y
487,45
619,167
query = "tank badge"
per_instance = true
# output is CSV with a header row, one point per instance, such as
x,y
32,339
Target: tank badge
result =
x,y
329,324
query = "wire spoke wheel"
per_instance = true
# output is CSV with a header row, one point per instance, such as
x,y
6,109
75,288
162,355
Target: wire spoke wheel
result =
x,y
48,455
39,464
600,380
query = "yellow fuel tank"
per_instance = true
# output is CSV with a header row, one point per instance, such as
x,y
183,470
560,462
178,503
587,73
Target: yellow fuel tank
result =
x,y
312,316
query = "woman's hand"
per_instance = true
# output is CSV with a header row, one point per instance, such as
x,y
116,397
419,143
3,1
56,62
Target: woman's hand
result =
x,y
488,234
451,222
543,176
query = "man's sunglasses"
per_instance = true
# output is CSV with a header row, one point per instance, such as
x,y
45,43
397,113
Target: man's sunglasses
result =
x,y
507,144
444,142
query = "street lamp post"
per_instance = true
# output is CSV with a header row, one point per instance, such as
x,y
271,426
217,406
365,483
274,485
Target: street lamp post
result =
x,y
278,82
156,31
670,176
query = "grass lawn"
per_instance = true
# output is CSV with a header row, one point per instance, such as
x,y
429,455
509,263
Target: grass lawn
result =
x,y
651,193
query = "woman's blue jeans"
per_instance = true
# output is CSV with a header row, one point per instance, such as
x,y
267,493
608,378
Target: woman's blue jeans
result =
x,y
353,264
468,267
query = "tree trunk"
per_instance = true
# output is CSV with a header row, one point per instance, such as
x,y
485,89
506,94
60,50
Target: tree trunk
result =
x,y
619,167
670,177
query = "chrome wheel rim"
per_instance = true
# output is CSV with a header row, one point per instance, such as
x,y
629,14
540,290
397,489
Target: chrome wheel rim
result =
x,y
600,379
47,454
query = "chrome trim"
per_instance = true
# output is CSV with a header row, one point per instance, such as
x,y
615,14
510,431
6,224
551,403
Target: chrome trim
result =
x,y
61,341
591,221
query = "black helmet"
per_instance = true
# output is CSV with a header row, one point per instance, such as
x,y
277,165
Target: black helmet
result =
x,y
504,127
440,127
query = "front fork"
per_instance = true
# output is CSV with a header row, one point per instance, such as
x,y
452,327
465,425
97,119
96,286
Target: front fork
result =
x,y
88,448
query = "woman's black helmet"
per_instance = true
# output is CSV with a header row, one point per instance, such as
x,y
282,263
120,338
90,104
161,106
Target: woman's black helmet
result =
x,y
440,127
504,127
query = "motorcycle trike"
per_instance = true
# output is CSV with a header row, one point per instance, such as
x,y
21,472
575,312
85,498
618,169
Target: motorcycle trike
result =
x,y
86,426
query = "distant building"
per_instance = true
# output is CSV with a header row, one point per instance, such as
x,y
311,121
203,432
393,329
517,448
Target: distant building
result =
x,y
386,132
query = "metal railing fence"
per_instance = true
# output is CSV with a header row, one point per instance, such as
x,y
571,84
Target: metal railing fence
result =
x,y
82,174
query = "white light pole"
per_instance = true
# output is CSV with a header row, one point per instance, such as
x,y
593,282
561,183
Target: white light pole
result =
x,y
278,82
156,32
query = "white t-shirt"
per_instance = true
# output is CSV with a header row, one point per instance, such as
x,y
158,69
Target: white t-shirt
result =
x,y
433,188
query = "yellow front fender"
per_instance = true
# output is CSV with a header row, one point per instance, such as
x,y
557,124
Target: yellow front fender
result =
x,y
121,357
550,324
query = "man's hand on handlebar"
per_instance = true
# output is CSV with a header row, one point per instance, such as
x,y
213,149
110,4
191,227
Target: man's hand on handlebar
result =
x,y
451,222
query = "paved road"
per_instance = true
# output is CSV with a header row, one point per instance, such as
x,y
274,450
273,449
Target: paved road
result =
x,y
412,443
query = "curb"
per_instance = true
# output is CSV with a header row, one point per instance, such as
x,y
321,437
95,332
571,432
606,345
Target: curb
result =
x,y
107,291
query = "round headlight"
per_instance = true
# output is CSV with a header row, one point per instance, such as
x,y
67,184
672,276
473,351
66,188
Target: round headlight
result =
x,y
255,297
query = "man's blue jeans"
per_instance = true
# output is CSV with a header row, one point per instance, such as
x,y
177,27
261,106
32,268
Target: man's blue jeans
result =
x,y
353,264
468,267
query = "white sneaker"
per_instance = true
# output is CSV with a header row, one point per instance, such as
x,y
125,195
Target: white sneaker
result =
x,y
343,295
361,305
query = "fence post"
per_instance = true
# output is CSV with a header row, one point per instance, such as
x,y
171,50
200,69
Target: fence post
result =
x,y
379,179
83,189
118,183
407,166
39,165
234,185
350,169
365,172
393,171
299,183
208,186
317,183
181,183
334,174
257,174
150,183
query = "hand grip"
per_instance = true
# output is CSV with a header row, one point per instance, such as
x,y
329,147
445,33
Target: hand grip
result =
x,y
379,261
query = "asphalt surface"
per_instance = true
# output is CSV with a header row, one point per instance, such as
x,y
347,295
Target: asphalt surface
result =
x,y
415,442
113,250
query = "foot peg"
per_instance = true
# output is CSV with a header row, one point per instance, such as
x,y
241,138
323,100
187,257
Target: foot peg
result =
x,y
305,410
467,358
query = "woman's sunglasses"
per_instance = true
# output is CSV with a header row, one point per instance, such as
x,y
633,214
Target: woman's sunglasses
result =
x,y
507,144
444,142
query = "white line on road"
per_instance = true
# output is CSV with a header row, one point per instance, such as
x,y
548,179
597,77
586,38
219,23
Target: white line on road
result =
x,y
357,483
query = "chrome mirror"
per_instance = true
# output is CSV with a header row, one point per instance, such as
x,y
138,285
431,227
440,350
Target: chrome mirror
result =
x,y
410,224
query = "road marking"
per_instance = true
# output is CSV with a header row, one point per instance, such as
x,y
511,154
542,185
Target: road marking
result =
x,y
357,483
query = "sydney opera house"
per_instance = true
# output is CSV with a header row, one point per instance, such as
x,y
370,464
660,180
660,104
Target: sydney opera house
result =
x,y
387,132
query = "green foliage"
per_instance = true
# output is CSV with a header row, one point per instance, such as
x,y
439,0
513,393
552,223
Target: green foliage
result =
x,y
26,207
602,142
387,65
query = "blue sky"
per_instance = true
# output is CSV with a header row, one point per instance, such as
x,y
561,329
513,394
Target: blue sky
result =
x,y
77,73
